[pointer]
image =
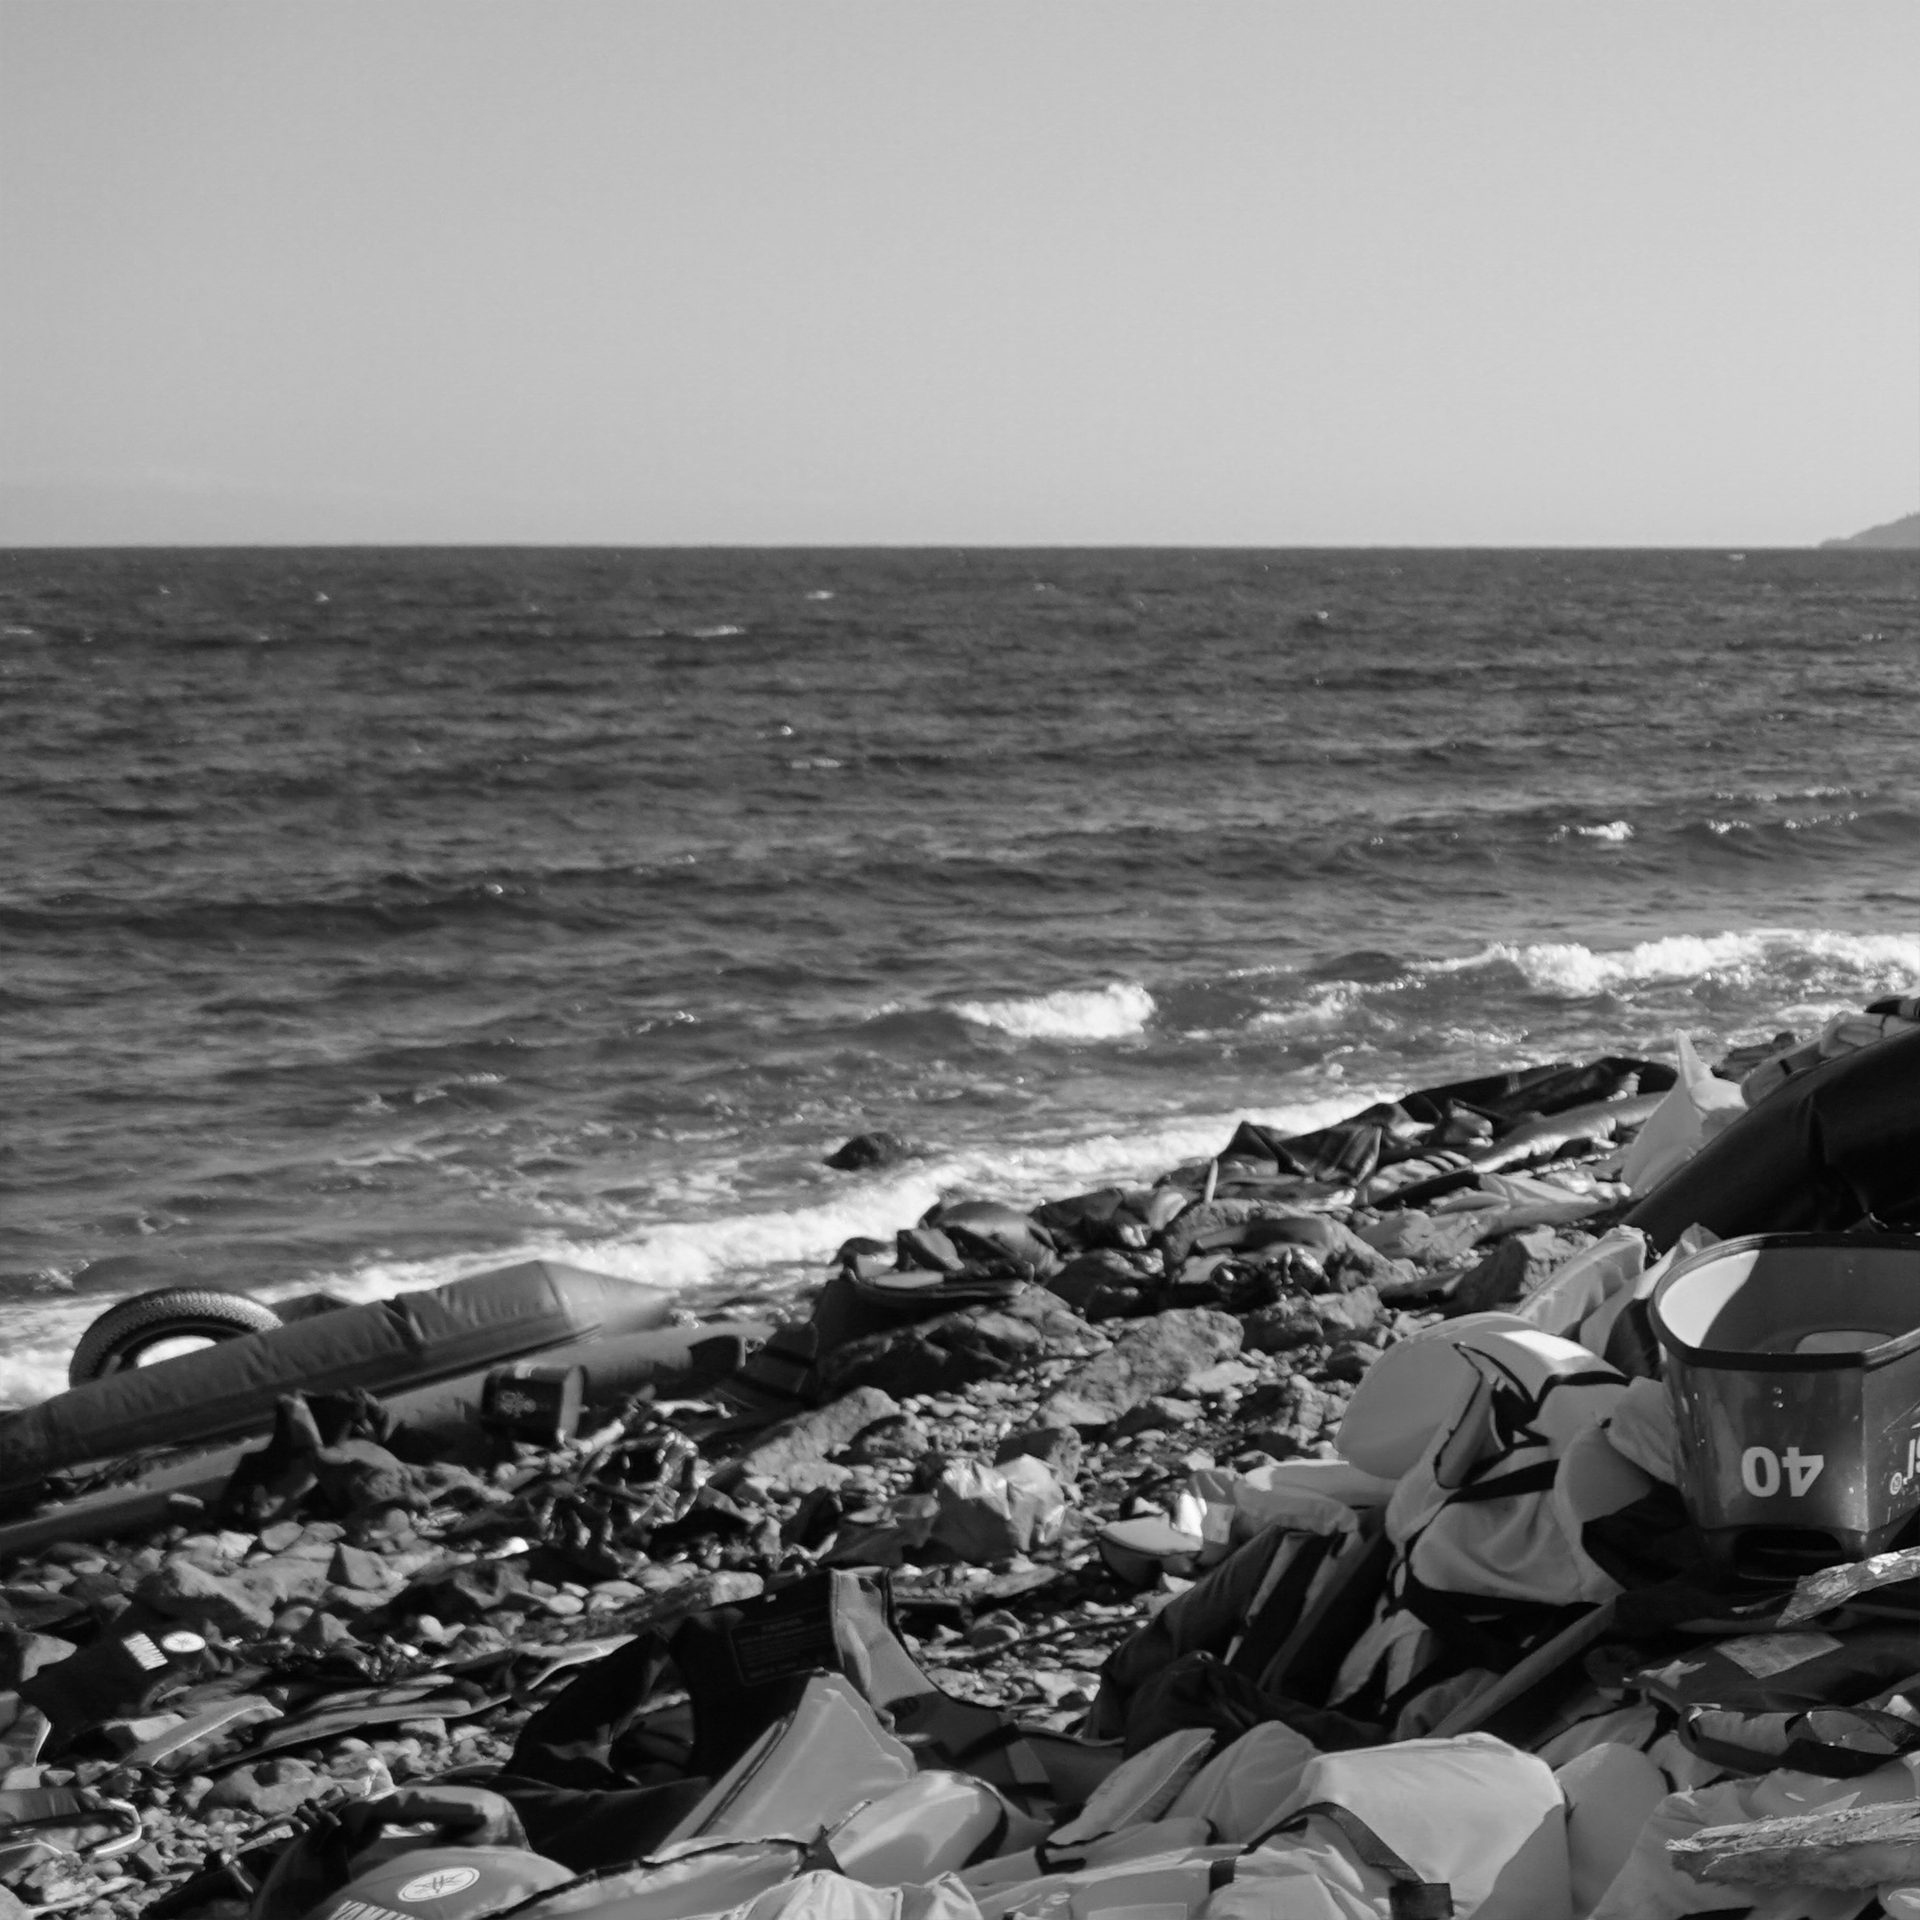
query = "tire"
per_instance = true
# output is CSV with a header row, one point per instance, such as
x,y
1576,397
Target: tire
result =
x,y
130,1328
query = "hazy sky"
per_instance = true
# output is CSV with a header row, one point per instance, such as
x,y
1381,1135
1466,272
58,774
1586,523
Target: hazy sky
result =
x,y
1274,273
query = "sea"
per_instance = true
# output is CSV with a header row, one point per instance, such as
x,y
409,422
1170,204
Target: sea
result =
x,y
373,917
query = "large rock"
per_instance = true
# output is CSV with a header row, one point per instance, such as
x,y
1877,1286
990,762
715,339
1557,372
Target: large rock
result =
x,y
809,1438
238,1605
1517,1266
810,1476
271,1787
465,1592
1355,1311
1301,1413
877,1149
358,1474
356,1567
900,1436
1058,1448
1107,1283
299,1575
1149,1357
1284,1327
956,1349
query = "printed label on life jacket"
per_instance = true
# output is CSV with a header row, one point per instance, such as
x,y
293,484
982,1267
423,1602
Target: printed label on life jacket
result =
x,y
363,1910
438,1884
768,1650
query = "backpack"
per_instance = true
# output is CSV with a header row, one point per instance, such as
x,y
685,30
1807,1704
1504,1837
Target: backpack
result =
x,y
745,1665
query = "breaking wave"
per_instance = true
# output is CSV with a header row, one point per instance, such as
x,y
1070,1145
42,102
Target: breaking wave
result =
x,y
1328,1004
738,1249
776,1249
1797,956
1113,1012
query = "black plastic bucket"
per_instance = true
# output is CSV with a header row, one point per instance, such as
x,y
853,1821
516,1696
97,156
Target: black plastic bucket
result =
x,y
1793,1365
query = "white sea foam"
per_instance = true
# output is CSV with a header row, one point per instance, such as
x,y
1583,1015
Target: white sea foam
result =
x,y
1610,830
705,1258
1790,954
1331,1002
41,1333
1112,1012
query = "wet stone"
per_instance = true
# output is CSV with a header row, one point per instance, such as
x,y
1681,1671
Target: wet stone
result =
x,y
1148,1357
271,1787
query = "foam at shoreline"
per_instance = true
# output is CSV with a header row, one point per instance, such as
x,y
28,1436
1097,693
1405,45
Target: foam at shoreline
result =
x,y
769,1251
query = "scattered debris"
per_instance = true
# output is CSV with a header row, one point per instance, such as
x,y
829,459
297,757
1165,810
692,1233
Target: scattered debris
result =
x,y
1057,1499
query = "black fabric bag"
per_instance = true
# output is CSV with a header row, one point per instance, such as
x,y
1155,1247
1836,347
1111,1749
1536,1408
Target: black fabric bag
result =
x,y
744,1666
1281,1611
1198,1690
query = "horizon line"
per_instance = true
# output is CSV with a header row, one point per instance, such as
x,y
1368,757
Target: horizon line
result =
x,y
1833,543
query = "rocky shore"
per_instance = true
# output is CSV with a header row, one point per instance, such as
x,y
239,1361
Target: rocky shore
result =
x,y
978,1406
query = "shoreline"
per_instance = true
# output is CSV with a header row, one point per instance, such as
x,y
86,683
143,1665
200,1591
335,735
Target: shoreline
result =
x,y
1269,1350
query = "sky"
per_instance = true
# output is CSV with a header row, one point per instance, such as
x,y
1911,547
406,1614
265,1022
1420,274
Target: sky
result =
x,y
1462,272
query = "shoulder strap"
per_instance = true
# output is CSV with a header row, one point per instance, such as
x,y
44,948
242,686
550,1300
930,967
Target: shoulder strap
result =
x,y
1409,1897
1004,1745
1486,1641
1335,1615
1278,1612
1536,1477
1806,1753
1480,1630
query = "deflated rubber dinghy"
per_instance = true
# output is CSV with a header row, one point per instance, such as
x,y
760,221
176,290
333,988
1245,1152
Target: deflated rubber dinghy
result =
x,y
409,1342
1827,1150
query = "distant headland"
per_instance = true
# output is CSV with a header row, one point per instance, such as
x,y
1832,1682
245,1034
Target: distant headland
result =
x,y
1896,533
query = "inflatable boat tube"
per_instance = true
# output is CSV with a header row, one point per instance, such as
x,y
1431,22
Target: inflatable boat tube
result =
x,y
1541,1139
668,1359
387,1346
1819,1155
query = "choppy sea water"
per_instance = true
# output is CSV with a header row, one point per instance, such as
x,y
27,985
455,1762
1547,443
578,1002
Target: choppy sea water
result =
x,y
371,917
